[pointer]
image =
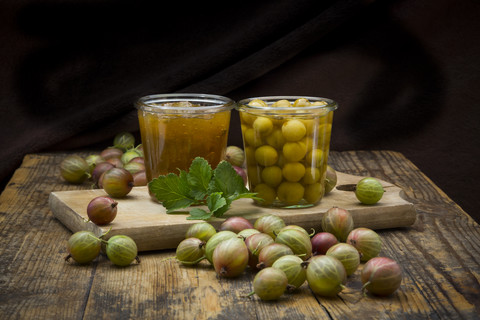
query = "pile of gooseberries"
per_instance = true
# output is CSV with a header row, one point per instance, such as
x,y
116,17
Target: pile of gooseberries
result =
x,y
285,257
116,169
84,247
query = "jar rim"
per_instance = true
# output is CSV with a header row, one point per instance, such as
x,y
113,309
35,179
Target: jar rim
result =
x,y
330,106
206,103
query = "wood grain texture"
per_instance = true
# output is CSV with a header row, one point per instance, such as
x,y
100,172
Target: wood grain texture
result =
x,y
147,222
439,256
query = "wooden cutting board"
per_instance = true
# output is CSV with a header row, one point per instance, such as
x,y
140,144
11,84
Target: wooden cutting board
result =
x,y
148,224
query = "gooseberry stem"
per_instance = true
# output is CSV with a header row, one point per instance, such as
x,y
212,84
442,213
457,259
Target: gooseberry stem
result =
x,y
364,288
191,262
103,235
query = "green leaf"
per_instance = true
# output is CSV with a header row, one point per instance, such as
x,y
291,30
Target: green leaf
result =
x,y
199,214
250,195
221,210
226,180
172,191
216,202
200,185
199,177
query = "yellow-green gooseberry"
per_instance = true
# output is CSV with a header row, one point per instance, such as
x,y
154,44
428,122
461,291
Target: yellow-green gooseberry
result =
x,y
319,103
290,193
294,151
276,139
293,130
247,118
312,175
265,192
250,155
313,192
310,125
301,102
315,158
293,171
266,155
252,138
257,103
253,174
310,143
263,126
281,160
272,176
281,104
324,131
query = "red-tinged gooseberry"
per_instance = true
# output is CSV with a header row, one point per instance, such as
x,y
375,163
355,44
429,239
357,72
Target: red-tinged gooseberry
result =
x,y
235,156
235,224
102,210
117,162
140,159
122,250
269,224
381,276
366,241
255,243
330,179
296,240
322,241
369,190
83,247
99,170
348,256
326,275
139,179
269,254
245,233
74,169
190,251
201,230
242,173
111,152
117,182
291,265
338,222
270,284
213,242
230,257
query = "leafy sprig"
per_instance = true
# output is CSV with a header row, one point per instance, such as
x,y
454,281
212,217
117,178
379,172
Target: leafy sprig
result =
x,y
201,185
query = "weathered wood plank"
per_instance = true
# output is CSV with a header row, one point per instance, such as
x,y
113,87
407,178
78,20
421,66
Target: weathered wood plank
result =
x,y
147,222
438,255
34,279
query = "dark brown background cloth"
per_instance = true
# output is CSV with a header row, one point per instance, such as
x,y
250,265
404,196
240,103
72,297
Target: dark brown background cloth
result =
x,y
405,73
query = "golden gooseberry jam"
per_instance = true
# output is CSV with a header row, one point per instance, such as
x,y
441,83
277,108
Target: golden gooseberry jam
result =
x,y
287,142
176,128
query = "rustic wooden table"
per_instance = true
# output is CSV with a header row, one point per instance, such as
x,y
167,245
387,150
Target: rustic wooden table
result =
x,y
439,256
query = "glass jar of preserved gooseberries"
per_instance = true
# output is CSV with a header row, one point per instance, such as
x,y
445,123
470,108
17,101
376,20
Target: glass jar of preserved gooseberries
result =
x,y
176,128
286,142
